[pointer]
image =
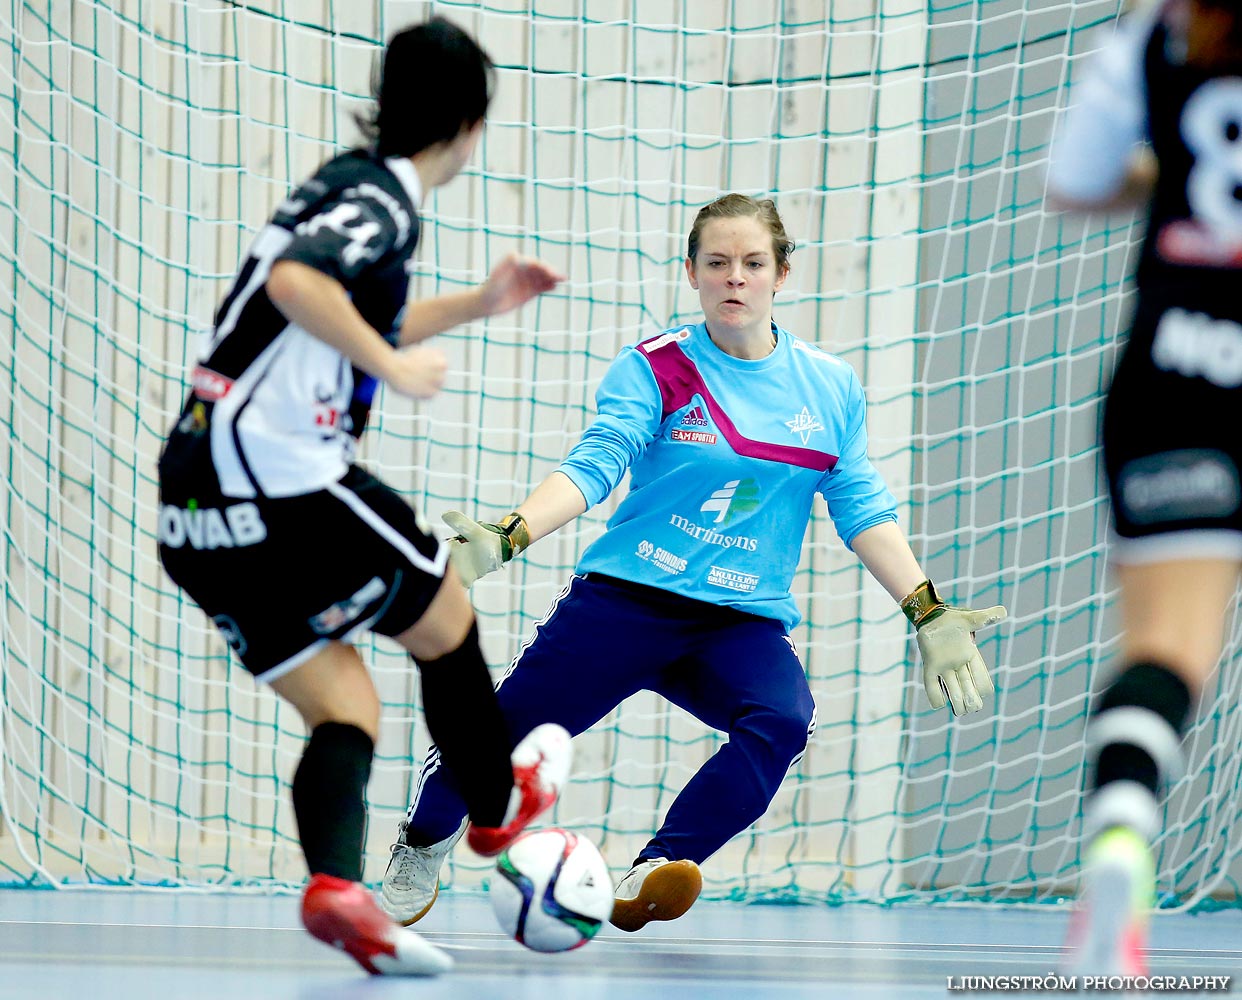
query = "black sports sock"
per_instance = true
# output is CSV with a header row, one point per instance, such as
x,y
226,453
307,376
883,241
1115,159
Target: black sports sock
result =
x,y
465,720
1142,745
329,799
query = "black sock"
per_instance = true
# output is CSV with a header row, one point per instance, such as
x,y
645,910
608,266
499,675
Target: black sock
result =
x,y
465,721
1140,746
329,799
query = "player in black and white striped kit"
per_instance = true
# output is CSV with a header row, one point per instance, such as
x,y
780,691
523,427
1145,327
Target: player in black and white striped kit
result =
x,y
1158,120
292,549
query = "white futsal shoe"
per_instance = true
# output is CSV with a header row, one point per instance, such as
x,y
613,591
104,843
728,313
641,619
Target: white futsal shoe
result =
x,y
540,770
412,879
655,890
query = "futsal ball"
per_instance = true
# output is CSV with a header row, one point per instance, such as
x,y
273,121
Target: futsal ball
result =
x,y
551,890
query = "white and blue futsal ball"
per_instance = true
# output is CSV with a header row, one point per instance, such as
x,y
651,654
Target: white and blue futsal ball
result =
x,y
551,890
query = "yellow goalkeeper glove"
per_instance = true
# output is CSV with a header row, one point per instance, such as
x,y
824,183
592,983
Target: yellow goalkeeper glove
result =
x,y
478,547
953,668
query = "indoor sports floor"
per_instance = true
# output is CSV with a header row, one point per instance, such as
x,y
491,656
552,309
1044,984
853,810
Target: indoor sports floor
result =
x,y
170,945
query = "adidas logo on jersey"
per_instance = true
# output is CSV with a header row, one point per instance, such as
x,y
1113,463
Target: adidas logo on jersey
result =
x,y
694,417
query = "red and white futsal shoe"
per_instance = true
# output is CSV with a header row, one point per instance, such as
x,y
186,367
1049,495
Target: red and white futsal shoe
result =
x,y
540,770
344,914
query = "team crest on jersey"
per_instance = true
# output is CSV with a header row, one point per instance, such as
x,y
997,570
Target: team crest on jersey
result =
x,y
804,425
195,421
689,431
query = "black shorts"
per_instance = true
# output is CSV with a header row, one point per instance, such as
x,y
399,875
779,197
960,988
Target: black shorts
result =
x,y
1172,447
282,577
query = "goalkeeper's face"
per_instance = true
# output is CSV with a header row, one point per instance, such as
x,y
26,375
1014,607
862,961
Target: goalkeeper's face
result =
x,y
736,274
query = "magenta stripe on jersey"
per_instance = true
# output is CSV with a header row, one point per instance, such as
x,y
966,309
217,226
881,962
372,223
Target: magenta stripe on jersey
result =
x,y
679,380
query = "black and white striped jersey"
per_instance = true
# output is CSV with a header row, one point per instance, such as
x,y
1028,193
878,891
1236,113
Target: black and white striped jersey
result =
x,y
273,411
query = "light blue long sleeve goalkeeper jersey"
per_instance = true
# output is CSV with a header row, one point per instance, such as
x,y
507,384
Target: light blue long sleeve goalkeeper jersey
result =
x,y
726,457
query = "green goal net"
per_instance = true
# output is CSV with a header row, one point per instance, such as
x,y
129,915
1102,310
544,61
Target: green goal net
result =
x,y
142,142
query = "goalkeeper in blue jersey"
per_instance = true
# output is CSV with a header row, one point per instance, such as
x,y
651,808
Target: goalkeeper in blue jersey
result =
x,y
728,428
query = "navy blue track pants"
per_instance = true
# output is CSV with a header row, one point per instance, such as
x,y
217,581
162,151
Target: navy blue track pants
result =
x,y
605,640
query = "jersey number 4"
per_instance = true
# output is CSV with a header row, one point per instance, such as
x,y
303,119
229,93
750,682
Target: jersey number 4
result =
x,y
348,221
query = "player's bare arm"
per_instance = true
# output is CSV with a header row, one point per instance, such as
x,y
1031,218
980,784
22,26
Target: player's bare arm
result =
x,y
513,282
883,549
321,306
554,503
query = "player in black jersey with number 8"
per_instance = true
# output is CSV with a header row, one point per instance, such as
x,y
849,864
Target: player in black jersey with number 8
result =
x,y
291,548
1159,121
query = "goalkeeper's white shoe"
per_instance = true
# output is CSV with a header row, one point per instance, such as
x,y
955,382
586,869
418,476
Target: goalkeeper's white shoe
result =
x,y
412,879
655,890
1108,929
344,915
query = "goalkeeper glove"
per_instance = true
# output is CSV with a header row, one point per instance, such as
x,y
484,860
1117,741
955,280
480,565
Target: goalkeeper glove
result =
x,y
479,547
953,668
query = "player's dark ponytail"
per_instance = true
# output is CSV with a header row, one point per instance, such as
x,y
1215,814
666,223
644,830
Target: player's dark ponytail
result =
x,y
433,81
